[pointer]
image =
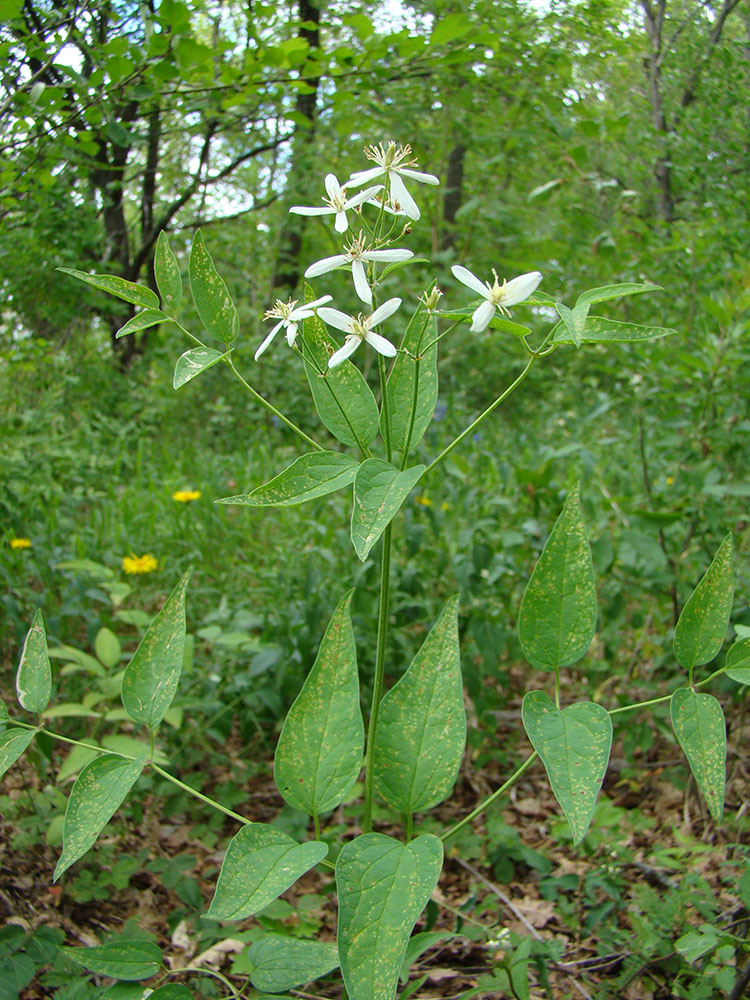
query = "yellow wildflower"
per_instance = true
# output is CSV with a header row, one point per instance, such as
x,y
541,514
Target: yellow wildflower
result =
x,y
139,564
186,496
670,480
20,543
423,501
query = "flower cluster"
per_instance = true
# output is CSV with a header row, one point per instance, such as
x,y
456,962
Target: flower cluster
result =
x,y
390,196
20,543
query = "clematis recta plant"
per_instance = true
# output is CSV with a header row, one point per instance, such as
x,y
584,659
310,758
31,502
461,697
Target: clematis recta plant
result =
x,y
409,744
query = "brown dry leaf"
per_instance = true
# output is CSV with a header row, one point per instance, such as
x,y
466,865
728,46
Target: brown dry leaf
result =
x,y
530,807
538,912
216,954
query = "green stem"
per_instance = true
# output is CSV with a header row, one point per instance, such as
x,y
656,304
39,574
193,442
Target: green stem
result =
x,y
78,743
384,407
377,688
409,827
488,801
557,687
199,795
206,971
413,416
272,409
483,416
316,823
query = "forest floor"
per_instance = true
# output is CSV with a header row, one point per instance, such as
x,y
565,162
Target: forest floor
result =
x,y
603,919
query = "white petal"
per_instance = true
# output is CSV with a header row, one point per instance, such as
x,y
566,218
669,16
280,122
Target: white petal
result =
x,y
301,210
268,339
387,255
362,196
404,199
291,333
383,312
417,175
333,188
325,265
471,281
350,346
521,287
363,176
361,285
481,318
334,317
381,345
342,223
303,312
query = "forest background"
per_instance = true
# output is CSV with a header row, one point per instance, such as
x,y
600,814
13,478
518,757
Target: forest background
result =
x,y
597,143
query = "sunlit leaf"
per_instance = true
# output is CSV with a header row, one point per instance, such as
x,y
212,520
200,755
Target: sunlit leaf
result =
x,y
34,677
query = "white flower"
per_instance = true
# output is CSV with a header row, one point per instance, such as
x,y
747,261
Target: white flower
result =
x,y
497,296
390,161
289,317
359,328
355,254
338,202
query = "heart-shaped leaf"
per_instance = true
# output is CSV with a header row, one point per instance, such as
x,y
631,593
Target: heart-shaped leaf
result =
x,y
151,678
34,677
558,611
281,963
574,744
702,625
94,799
193,362
319,753
310,476
421,729
261,862
699,726
379,491
383,886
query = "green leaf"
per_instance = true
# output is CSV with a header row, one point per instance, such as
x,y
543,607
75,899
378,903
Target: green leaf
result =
x,y
3,716
379,491
421,729
138,295
261,862
319,753
409,421
702,626
698,723
193,362
128,960
310,476
13,742
737,663
142,321
281,963
606,292
167,273
418,945
574,745
342,397
383,886
695,944
449,27
599,330
94,799
210,294
574,320
107,647
34,677
150,679
171,991
558,611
